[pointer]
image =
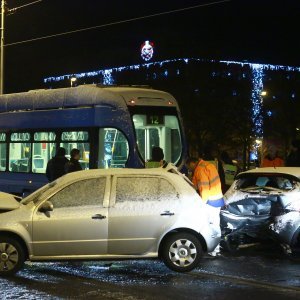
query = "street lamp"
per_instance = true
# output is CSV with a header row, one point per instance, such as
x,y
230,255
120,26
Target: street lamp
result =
x,y
73,80
263,93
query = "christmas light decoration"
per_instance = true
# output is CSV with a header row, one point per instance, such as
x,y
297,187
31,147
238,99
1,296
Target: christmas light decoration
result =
x,y
257,74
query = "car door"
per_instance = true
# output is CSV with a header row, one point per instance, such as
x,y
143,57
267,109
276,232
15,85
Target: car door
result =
x,y
78,223
141,210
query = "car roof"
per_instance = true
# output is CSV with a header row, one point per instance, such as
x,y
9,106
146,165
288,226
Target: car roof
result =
x,y
169,171
292,171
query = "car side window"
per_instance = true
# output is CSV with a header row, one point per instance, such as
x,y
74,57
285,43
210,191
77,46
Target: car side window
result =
x,y
166,190
144,189
80,193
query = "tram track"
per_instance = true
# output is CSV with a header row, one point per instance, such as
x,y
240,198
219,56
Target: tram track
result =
x,y
246,281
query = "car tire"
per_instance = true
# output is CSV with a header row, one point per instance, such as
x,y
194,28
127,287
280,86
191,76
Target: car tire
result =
x,y
230,244
294,253
12,256
181,252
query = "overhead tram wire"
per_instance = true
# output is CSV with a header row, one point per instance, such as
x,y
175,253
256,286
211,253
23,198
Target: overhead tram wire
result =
x,y
114,23
28,4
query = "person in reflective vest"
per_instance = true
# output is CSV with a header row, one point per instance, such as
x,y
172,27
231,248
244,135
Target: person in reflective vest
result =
x,y
206,180
210,154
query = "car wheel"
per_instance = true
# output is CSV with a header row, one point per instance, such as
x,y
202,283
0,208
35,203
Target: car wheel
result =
x,y
231,244
294,253
11,256
182,252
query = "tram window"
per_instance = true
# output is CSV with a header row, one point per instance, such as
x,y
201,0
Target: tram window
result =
x,y
44,136
20,152
158,131
19,157
41,154
74,136
2,151
113,148
78,140
2,156
42,150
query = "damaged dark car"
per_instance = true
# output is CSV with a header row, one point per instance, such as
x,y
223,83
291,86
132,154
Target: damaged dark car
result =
x,y
263,205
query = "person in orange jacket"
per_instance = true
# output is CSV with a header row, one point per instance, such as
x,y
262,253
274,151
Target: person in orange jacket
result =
x,y
272,161
206,180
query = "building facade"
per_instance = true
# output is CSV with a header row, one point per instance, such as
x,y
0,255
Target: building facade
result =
x,y
234,105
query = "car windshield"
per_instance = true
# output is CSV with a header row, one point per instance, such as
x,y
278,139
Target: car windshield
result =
x,y
35,196
265,182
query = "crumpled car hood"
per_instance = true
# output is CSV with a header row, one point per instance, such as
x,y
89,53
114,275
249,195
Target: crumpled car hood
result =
x,y
8,202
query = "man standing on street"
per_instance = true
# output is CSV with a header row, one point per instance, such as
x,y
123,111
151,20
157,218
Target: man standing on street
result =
x,y
56,165
206,179
73,165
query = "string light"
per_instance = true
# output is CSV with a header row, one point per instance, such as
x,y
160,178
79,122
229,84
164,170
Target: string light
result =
x,y
108,77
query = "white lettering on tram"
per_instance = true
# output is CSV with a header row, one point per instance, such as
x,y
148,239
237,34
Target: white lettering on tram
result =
x,y
20,136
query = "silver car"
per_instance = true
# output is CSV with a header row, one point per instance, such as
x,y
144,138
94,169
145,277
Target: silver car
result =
x,y
263,204
108,214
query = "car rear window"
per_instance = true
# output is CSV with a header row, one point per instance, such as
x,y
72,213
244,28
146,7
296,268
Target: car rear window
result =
x,y
265,181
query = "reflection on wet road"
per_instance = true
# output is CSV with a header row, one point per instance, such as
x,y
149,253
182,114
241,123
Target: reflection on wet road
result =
x,y
227,277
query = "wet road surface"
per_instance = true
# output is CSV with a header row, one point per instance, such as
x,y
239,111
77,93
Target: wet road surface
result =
x,y
243,276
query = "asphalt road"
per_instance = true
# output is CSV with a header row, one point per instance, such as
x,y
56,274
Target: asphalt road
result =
x,y
243,276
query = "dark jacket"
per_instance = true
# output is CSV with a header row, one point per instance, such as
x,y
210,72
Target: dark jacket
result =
x,y
56,167
72,166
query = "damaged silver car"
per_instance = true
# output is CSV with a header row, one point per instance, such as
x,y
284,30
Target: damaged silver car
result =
x,y
263,205
8,202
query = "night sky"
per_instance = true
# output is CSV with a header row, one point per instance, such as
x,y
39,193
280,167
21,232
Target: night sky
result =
x,y
262,31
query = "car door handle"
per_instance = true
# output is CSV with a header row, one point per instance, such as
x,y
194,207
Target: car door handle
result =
x,y
98,216
167,213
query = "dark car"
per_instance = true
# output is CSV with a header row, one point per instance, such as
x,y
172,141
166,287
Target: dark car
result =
x,y
263,205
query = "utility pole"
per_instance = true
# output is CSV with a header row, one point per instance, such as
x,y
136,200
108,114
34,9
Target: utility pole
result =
x,y
2,47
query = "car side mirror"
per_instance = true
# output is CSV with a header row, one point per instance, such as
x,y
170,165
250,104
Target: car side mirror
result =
x,y
46,207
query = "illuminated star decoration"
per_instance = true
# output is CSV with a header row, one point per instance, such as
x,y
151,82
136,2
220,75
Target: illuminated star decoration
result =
x,y
147,50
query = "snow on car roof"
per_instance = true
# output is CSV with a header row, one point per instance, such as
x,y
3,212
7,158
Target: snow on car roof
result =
x,y
168,171
294,171
180,181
